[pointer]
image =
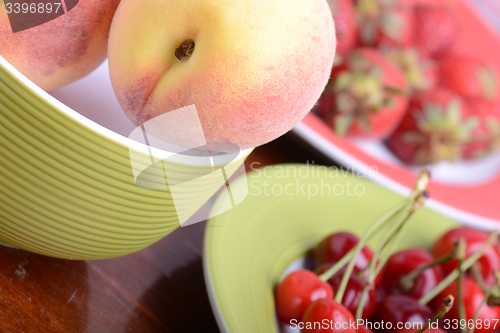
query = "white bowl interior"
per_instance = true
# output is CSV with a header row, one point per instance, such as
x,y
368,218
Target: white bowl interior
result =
x,y
94,98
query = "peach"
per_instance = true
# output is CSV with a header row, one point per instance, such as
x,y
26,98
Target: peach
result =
x,y
63,50
252,68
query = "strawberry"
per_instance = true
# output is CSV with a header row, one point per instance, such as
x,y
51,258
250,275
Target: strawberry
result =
x,y
384,23
486,137
469,77
421,74
366,97
435,128
344,16
436,30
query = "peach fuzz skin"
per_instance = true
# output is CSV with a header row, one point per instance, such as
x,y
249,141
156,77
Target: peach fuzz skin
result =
x,y
63,50
257,68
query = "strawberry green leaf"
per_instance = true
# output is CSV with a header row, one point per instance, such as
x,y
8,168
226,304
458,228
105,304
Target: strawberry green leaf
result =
x,y
342,124
343,81
394,90
488,81
453,114
469,125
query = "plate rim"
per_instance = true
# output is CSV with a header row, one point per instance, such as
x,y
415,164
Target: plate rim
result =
x,y
206,258
336,153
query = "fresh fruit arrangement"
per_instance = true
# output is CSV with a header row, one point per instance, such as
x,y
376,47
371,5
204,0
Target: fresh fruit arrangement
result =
x,y
426,101
454,286
252,68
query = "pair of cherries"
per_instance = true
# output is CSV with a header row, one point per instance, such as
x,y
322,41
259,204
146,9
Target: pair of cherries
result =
x,y
303,296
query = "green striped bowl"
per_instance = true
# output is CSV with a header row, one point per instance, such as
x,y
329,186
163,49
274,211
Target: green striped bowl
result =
x,y
247,249
66,183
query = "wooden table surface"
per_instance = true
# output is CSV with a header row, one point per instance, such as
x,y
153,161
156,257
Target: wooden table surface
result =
x,y
159,289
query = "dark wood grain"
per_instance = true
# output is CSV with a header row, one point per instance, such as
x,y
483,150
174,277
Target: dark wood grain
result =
x,y
159,289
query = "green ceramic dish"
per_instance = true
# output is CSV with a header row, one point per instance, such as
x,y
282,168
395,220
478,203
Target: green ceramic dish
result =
x,y
248,248
67,187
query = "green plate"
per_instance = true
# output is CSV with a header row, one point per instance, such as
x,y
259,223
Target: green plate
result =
x,y
289,209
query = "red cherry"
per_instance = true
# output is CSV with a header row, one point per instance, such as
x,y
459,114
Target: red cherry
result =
x,y
438,330
404,262
297,291
472,298
337,245
328,316
400,309
490,261
353,291
363,329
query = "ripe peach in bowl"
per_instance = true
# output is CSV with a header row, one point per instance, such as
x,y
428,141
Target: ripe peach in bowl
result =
x,y
81,181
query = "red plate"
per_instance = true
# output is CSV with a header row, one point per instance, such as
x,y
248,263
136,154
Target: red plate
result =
x,y
472,202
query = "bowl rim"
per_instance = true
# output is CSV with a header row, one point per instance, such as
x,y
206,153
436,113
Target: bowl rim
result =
x,y
95,127
214,237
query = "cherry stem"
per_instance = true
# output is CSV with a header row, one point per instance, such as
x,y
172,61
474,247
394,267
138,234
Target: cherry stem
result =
x,y
478,310
362,300
419,188
460,256
379,224
407,281
487,294
390,239
492,239
399,233
386,239
445,308
415,201
478,276
372,229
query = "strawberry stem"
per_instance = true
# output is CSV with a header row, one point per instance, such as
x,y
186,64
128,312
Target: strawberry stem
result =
x,y
492,239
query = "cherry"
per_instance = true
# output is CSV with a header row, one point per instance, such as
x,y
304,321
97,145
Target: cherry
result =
x,y
404,262
334,247
297,291
363,329
472,298
354,289
415,330
396,309
474,238
328,316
